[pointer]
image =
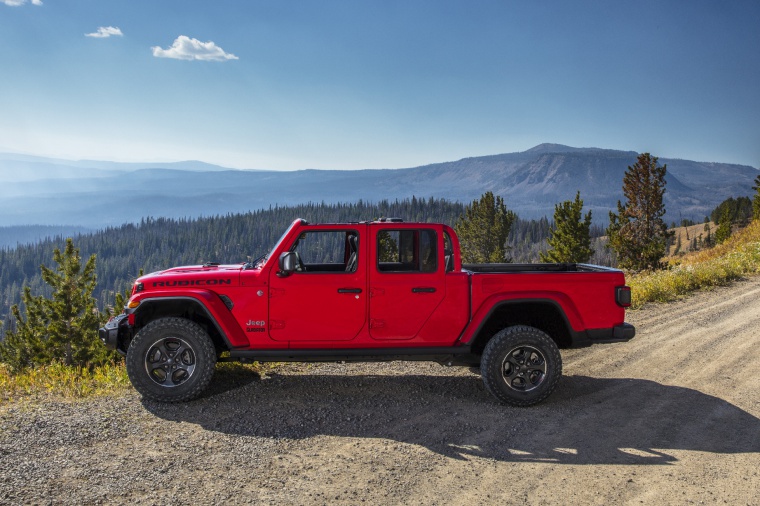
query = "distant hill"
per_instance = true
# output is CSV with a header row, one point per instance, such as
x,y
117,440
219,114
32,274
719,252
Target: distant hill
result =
x,y
25,168
98,194
11,237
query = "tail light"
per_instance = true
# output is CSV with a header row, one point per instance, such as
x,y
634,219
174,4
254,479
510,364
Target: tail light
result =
x,y
623,296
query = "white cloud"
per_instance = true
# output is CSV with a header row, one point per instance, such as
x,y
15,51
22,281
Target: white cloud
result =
x,y
105,32
16,3
185,48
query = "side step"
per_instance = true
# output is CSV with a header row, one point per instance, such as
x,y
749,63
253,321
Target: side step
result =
x,y
456,355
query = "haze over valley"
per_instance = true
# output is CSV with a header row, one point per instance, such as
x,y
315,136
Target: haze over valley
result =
x,y
94,195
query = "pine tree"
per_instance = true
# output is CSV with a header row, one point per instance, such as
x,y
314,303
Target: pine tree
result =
x,y
637,231
26,346
756,200
387,247
62,328
570,239
72,333
483,230
723,232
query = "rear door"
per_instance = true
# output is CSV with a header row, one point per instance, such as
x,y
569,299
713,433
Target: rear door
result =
x,y
325,300
406,279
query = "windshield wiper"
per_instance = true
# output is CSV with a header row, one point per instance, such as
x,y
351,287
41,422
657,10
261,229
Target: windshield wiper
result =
x,y
252,265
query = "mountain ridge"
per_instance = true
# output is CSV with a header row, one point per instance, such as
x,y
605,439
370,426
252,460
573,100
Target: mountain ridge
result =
x,y
531,182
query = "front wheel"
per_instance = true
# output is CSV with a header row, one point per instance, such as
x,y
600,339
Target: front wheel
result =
x,y
171,360
521,366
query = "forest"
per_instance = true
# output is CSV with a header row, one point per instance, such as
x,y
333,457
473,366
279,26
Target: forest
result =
x,y
158,243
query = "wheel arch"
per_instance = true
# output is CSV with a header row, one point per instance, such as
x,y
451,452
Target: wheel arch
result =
x,y
546,315
182,307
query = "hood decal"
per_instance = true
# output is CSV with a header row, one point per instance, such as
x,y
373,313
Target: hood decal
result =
x,y
193,282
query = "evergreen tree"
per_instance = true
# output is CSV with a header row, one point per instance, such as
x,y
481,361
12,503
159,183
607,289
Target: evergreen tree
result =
x,y
483,230
62,328
26,346
756,200
723,232
570,239
387,247
73,316
637,231
739,211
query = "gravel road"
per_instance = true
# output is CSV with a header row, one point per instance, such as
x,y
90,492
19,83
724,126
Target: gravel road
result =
x,y
672,417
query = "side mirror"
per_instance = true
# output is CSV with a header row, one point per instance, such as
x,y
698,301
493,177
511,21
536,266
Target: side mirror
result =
x,y
288,262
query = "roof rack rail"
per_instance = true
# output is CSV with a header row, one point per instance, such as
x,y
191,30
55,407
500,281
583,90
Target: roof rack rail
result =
x,y
390,220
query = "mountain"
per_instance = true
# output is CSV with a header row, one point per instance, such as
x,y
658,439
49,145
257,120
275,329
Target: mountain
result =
x,y
99,194
24,168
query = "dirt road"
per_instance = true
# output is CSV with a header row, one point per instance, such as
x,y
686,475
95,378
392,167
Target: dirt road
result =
x,y
672,417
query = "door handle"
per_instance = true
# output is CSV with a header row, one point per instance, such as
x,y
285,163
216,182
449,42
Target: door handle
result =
x,y
423,289
349,290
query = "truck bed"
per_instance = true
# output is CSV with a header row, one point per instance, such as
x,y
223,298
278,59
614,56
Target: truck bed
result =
x,y
526,268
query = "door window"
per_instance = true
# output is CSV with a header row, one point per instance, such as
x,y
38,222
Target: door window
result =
x,y
407,251
327,251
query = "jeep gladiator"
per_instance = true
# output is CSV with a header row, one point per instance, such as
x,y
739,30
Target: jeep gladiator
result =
x,y
367,291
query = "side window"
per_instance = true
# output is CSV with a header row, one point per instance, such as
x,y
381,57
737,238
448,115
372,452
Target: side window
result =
x,y
327,251
448,252
407,251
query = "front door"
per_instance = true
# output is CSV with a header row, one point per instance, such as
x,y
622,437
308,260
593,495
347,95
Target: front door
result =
x,y
325,299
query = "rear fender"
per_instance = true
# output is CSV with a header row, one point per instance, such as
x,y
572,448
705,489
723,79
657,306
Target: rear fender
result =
x,y
552,312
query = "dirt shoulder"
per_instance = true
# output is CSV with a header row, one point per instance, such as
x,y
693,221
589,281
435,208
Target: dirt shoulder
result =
x,y
671,417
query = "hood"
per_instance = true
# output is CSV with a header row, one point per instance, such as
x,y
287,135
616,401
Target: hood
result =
x,y
206,268
201,276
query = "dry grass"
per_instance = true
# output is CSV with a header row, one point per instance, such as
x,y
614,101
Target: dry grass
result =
x,y
736,258
62,381
686,235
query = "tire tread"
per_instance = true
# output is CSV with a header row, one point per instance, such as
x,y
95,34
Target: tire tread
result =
x,y
181,326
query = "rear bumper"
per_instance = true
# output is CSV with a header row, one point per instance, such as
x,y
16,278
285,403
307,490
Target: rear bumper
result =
x,y
617,334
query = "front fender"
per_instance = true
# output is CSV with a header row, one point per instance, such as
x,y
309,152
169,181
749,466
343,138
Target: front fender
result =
x,y
206,302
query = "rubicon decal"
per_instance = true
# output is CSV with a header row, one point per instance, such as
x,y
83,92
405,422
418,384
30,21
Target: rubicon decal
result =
x,y
194,282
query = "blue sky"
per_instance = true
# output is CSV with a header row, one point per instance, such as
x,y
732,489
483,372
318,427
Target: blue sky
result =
x,y
376,84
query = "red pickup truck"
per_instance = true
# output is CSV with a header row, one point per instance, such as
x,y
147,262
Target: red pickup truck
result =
x,y
367,291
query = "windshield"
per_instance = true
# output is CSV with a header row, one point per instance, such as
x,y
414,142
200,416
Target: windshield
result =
x,y
277,244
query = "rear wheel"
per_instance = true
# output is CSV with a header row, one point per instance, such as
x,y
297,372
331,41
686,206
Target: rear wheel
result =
x,y
171,360
521,366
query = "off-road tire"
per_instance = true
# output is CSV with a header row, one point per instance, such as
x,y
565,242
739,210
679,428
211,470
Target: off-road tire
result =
x,y
521,366
171,360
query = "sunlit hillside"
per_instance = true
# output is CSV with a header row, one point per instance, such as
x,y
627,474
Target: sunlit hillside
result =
x,y
738,257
